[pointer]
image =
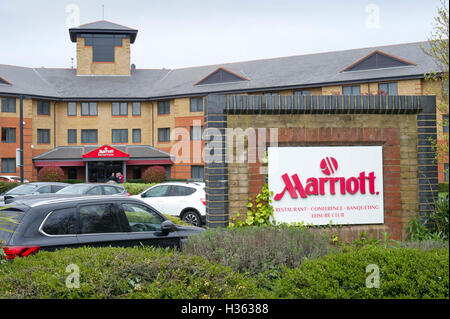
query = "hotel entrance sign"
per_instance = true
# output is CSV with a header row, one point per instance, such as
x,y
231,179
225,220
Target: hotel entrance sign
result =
x,y
106,151
319,185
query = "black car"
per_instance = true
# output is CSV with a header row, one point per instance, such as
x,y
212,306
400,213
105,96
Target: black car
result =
x,y
32,189
88,221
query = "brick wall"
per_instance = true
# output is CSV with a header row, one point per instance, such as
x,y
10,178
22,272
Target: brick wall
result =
x,y
86,65
396,133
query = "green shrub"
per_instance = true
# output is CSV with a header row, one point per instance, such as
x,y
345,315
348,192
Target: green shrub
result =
x,y
51,174
6,186
261,250
404,273
425,244
259,210
433,226
177,220
443,187
154,174
122,273
136,188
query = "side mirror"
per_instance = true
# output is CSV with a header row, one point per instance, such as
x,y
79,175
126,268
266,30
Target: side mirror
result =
x,y
167,226
143,195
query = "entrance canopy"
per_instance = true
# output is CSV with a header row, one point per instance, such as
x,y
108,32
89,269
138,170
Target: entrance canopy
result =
x,y
79,155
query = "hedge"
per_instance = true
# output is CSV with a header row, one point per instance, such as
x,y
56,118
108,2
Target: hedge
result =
x,y
443,187
404,273
122,273
260,251
136,188
6,186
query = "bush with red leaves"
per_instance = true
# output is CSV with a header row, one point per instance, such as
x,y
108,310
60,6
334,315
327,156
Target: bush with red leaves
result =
x,y
51,174
154,174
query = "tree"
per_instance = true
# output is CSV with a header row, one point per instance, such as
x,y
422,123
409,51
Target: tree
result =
x,y
439,51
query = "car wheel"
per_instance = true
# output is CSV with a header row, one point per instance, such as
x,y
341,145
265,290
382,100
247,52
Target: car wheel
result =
x,y
192,218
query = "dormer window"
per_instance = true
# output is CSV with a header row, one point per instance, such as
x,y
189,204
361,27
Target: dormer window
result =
x,y
377,60
3,81
221,75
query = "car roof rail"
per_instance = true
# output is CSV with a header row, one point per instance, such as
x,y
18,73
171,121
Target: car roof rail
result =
x,y
195,180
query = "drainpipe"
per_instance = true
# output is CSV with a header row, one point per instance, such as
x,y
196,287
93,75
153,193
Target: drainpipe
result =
x,y
153,129
21,139
54,125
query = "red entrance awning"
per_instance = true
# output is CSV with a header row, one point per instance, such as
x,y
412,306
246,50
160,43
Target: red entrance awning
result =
x,y
58,163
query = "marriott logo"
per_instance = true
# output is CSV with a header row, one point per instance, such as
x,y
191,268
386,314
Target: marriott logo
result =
x,y
364,183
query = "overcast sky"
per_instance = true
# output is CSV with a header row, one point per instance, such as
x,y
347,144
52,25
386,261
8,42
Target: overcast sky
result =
x,y
182,33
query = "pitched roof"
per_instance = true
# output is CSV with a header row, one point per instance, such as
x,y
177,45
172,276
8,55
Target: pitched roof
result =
x,y
299,71
104,27
71,153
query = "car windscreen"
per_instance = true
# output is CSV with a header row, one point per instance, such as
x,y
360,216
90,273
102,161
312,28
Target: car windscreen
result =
x,y
9,220
74,189
23,189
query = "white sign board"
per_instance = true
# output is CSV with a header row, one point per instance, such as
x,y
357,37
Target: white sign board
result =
x,y
18,157
319,185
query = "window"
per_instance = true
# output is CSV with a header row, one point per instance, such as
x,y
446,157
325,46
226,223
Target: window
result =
x,y
103,45
43,136
97,190
197,172
157,191
9,104
181,191
100,218
445,123
163,107
89,108
119,108
43,107
72,108
196,104
168,171
164,135
61,222
141,218
136,108
136,135
71,136
8,135
8,165
111,190
301,92
89,136
137,172
56,188
351,90
72,173
196,133
47,189
120,136
387,88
